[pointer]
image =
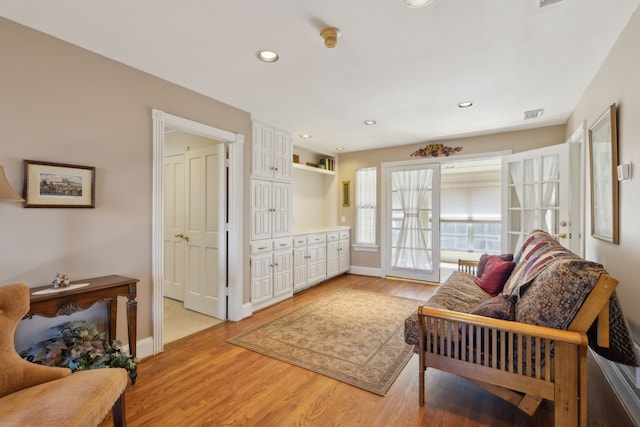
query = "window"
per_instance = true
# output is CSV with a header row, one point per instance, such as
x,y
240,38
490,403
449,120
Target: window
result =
x,y
366,206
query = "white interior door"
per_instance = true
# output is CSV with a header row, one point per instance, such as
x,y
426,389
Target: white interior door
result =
x,y
536,185
411,248
205,235
174,247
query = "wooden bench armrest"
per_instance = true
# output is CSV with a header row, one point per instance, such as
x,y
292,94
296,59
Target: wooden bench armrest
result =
x,y
561,335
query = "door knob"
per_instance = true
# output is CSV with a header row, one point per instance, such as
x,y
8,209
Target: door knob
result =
x,y
182,236
563,223
561,236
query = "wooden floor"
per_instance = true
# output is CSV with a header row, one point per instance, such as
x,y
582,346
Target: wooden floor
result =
x,y
201,380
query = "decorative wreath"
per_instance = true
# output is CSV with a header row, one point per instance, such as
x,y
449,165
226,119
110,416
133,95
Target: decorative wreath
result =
x,y
435,150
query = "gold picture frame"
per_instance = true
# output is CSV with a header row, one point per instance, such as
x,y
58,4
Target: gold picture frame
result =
x,y
58,185
345,193
603,154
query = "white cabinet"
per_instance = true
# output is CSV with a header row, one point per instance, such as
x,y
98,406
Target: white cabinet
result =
x,y
299,262
270,209
333,252
271,153
271,271
344,254
316,259
319,256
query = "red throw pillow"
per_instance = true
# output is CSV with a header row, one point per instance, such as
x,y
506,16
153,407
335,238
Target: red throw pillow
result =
x,y
495,275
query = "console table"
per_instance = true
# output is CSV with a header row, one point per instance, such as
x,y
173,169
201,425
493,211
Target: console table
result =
x,y
66,301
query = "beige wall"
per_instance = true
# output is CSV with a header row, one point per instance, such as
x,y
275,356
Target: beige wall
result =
x,y
60,103
516,141
618,81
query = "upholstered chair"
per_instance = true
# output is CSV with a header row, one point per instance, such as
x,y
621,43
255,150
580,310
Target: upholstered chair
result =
x,y
37,395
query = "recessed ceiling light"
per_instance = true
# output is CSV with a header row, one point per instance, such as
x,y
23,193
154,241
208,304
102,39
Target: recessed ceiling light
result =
x,y
369,122
305,136
417,3
267,56
339,148
465,104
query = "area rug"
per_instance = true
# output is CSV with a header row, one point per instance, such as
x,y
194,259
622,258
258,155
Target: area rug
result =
x,y
350,335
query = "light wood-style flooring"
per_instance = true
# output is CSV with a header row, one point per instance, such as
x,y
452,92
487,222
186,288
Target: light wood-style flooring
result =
x,y
201,380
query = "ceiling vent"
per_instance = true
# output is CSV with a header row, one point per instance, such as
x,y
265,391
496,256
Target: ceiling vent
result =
x,y
548,2
532,114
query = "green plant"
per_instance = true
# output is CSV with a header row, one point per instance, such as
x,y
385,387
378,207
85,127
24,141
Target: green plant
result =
x,y
79,346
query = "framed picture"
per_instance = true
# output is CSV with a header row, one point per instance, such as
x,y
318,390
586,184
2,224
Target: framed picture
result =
x,y
58,185
603,152
345,193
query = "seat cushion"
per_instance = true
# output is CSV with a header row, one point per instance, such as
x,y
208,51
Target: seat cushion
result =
x,y
81,399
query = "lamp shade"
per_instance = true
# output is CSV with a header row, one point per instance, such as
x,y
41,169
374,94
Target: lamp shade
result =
x,y
6,192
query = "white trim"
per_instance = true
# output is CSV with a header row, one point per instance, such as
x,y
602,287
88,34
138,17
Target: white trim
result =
x,y
621,384
247,310
578,139
235,237
366,271
364,248
144,348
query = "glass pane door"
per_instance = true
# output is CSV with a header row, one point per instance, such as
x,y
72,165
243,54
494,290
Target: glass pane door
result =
x,y
413,214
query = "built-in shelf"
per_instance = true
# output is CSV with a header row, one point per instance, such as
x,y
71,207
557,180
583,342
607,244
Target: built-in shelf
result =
x,y
312,169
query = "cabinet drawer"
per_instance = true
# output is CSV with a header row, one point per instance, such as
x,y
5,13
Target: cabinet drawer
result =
x,y
332,237
316,238
283,243
344,235
299,241
261,246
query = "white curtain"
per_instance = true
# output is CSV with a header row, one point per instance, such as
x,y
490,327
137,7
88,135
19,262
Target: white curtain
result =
x,y
366,206
410,189
535,182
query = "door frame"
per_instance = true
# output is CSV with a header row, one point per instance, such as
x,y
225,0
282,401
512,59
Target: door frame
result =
x,y
235,142
384,253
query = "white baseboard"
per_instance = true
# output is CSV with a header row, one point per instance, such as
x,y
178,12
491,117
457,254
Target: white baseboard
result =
x,y
365,271
144,347
247,310
622,378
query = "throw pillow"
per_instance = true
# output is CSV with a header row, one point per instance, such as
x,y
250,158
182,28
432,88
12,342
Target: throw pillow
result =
x,y
482,262
554,297
499,307
495,275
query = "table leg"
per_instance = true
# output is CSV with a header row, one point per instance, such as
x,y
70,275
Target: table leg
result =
x,y
112,313
132,318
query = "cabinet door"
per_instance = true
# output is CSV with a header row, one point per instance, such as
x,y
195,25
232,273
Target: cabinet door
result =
x,y
282,272
332,258
344,255
261,214
317,263
261,277
299,267
262,151
281,209
282,155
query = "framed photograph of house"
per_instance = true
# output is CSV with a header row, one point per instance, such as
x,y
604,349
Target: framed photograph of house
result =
x,y
603,152
58,185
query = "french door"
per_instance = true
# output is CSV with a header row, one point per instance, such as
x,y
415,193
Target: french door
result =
x,y
411,235
536,196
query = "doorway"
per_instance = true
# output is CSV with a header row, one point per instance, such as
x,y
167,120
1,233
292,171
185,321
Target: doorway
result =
x,y
232,291
194,214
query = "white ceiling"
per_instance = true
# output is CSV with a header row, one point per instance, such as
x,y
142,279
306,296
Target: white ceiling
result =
x,y
405,68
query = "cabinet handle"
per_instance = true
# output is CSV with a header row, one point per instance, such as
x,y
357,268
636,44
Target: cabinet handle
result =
x,y
262,247
283,244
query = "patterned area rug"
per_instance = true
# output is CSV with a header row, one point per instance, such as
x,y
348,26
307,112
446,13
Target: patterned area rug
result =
x,y
353,336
